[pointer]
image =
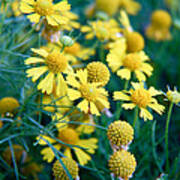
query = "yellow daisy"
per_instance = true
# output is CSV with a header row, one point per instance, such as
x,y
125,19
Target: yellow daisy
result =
x,y
142,98
124,64
53,13
54,64
69,136
90,93
102,30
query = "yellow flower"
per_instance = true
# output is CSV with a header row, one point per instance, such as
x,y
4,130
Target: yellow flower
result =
x,y
142,98
122,164
53,63
98,72
124,64
90,93
110,7
72,137
130,6
59,172
158,30
173,96
8,105
53,13
120,134
103,30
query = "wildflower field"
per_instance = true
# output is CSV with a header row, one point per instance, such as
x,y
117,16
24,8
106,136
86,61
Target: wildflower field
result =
x,y
89,89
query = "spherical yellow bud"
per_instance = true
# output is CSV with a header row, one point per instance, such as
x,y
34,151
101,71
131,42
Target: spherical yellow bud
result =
x,y
110,7
98,72
161,19
122,164
8,105
135,42
60,173
120,133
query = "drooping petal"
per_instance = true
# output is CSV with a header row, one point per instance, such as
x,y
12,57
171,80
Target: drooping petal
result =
x,y
140,75
36,72
104,102
124,73
42,142
157,107
145,114
82,157
34,18
61,89
147,68
34,60
154,92
128,106
26,8
93,109
83,106
73,94
118,95
41,52
67,153
48,154
46,85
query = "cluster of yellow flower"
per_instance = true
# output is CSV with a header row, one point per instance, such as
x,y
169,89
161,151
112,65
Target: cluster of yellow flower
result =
x,y
122,163
66,78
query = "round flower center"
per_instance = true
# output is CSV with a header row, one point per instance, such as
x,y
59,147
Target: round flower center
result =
x,y
56,62
88,92
132,62
74,49
141,97
43,7
68,136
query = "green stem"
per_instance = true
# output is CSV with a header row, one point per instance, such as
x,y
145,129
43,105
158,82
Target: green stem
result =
x,y
135,116
102,53
166,135
119,104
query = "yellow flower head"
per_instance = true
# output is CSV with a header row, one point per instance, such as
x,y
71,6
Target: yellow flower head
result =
x,y
55,64
122,164
110,7
98,72
120,134
135,42
72,137
103,30
173,96
124,64
59,172
158,30
142,98
132,7
90,93
8,105
53,13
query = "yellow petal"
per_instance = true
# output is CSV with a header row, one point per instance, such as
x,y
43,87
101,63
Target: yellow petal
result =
x,y
154,92
62,6
34,60
41,52
73,94
104,102
48,154
42,142
136,85
67,153
83,106
71,80
46,85
82,157
82,75
25,8
93,109
147,68
157,107
34,18
85,29
61,89
35,73
140,76
118,95
145,114
124,73
128,106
